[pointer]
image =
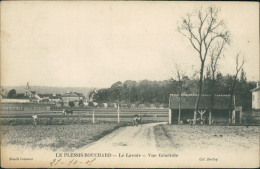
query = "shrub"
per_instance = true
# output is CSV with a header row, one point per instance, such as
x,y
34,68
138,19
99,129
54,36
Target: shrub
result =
x,y
71,104
147,104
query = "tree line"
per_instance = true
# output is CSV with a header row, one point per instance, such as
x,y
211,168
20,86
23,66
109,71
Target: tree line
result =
x,y
157,92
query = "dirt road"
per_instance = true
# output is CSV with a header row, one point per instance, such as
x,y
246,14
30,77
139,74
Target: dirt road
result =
x,y
131,139
130,146
154,146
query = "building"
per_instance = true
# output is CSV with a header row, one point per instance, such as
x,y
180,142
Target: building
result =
x,y
28,92
104,105
49,97
27,96
256,97
220,112
133,106
15,101
3,93
80,95
25,106
55,99
72,96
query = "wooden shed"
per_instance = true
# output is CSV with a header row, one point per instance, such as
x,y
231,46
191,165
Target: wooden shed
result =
x,y
220,112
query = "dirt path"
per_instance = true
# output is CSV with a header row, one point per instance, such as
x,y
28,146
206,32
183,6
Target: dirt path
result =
x,y
130,146
129,139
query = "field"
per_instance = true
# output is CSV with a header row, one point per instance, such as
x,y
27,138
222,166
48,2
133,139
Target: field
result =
x,y
203,138
55,131
55,137
195,145
76,133
126,115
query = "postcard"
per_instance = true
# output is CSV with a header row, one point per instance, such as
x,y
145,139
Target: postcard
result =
x,y
91,84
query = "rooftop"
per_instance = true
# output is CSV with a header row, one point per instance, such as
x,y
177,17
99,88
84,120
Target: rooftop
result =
x,y
188,101
69,95
257,87
54,97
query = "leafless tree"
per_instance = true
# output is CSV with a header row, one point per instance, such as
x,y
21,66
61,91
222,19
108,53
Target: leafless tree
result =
x,y
203,29
215,54
233,81
180,75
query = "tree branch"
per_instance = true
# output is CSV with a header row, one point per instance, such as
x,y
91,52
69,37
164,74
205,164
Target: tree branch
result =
x,y
189,29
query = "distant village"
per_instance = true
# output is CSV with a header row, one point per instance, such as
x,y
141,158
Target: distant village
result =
x,y
10,99
75,99
56,100
33,101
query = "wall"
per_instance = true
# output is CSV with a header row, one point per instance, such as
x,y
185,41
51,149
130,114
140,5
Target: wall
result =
x,y
68,99
26,107
15,101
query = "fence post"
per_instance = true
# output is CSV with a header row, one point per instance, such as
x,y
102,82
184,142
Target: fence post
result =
x,y
118,111
93,117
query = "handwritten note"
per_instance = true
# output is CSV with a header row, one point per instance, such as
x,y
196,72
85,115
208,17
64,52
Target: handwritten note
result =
x,y
70,162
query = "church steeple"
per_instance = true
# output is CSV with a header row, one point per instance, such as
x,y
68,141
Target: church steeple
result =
x,y
27,87
27,90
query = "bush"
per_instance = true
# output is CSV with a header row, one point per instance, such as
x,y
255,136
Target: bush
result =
x,y
137,103
91,104
157,104
100,104
249,118
166,105
129,105
147,104
71,104
81,103
111,105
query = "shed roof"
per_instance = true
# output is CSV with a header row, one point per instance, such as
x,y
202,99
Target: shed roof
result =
x,y
188,101
44,95
69,95
80,94
54,97
255,89
21,96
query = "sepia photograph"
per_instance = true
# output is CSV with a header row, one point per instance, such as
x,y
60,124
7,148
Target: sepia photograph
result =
x,y
129,84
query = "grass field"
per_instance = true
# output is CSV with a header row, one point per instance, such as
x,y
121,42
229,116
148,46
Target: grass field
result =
x,y
55,137
201,138
55,131
126,115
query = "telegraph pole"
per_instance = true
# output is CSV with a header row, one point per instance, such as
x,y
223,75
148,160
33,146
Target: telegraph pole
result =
x,y
118,112
93,117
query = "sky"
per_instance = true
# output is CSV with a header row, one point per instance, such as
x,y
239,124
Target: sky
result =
x,y
95,44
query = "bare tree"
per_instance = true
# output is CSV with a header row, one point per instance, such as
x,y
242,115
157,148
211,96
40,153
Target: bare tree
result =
x,y
203,29
180,75
215,53
192,83
233,82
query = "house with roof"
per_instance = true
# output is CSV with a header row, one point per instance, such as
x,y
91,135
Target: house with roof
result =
x,y
55,99
219,114
49,97
80,95
3,93
67,97
256,97
42,97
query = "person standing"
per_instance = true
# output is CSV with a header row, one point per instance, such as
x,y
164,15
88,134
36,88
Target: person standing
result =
x,y
34,116
135,120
